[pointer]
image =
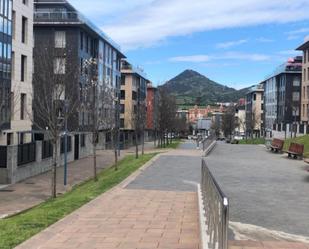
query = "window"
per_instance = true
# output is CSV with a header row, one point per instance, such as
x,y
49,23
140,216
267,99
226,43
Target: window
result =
x,y
59,65
12,106
25,2
122,108
134,95
122,94
13,23
254,97
296,81
23,69
22,106
60,39
296,96
123,80
121,123
304,74
82,140
24,28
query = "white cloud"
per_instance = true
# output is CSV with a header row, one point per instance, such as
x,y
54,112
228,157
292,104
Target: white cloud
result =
x,y
229,44
234,56
153,22
298,31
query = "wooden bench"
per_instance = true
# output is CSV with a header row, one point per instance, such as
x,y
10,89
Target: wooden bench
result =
x,y
295,150
276,145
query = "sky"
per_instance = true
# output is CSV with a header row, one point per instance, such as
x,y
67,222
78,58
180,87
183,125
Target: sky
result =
x,y
236,43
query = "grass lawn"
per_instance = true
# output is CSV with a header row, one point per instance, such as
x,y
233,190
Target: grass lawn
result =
x,y
300,140
253,141
16,229
174,145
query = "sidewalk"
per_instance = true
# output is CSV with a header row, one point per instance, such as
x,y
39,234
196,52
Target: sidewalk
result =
x,y
126,219
33,191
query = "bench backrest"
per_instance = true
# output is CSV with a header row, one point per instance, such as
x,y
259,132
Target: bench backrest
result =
x,y
278,143
297,148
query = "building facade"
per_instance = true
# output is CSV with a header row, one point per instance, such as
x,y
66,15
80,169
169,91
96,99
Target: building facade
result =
x,y
282,95
305,83
5,67
255,111
152,100
132,100
18,70
75,41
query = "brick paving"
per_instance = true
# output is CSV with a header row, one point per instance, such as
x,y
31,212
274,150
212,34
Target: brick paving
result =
x,y
33,191
127,219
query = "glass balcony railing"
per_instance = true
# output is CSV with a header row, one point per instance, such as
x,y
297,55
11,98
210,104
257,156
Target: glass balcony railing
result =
x,y
56,16
74,16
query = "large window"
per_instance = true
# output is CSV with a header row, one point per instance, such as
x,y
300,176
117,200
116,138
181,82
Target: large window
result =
x,y
23,69
59,65
296,96
296,81
22,106
24,28
60,39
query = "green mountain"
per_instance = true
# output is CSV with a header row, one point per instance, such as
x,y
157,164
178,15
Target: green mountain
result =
x,y
192,88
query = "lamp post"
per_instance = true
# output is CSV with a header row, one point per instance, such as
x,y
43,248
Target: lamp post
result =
x,y
65,175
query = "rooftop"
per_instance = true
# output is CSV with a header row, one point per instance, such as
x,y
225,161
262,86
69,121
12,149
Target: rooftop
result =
x,y
68,16
293,65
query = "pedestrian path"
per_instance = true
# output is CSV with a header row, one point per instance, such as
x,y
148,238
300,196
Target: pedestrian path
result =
x,y
126,219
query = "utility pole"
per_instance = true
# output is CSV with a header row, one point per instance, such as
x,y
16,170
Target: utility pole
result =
x,y
65,142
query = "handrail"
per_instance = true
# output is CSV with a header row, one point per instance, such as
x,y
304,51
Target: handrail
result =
x,y
216,207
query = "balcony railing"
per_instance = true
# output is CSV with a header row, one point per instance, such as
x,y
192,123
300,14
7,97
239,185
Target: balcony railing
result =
x,y
56,16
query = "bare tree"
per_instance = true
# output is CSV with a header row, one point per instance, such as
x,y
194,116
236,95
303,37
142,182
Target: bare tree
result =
x,y
252,122
56,95
166,116
229,121
99,103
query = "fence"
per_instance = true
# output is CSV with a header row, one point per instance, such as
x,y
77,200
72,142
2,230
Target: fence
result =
x,y
3,156
47,149
216,207
208,141
26,153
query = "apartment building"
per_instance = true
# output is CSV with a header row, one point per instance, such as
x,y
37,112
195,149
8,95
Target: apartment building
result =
x,y
255,111
74,40
132,99
152,107
305,83
282,95
5,67
18,70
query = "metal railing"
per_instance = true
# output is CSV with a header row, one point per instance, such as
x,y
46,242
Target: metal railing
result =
x,y
3,156
56,16
216,207
26,153
47,149
208,141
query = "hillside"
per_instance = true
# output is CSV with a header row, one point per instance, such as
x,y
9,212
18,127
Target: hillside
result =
x,y
191,87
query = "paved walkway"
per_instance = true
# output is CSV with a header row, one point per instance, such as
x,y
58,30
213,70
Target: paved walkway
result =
x,y
28,193
137,216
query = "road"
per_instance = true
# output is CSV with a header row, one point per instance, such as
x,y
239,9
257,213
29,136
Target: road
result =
x,y
265,189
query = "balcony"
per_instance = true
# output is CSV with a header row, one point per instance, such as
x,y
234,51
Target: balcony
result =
x,y
56,17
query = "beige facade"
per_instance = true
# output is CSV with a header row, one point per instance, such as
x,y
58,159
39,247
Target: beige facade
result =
x,y
21,86
132,95
305,83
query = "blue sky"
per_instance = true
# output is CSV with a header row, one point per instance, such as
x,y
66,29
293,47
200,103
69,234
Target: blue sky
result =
x,y
235,44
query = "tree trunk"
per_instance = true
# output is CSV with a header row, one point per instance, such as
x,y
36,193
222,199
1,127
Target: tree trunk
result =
x,y
136,144
143,142
95,160
116,150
